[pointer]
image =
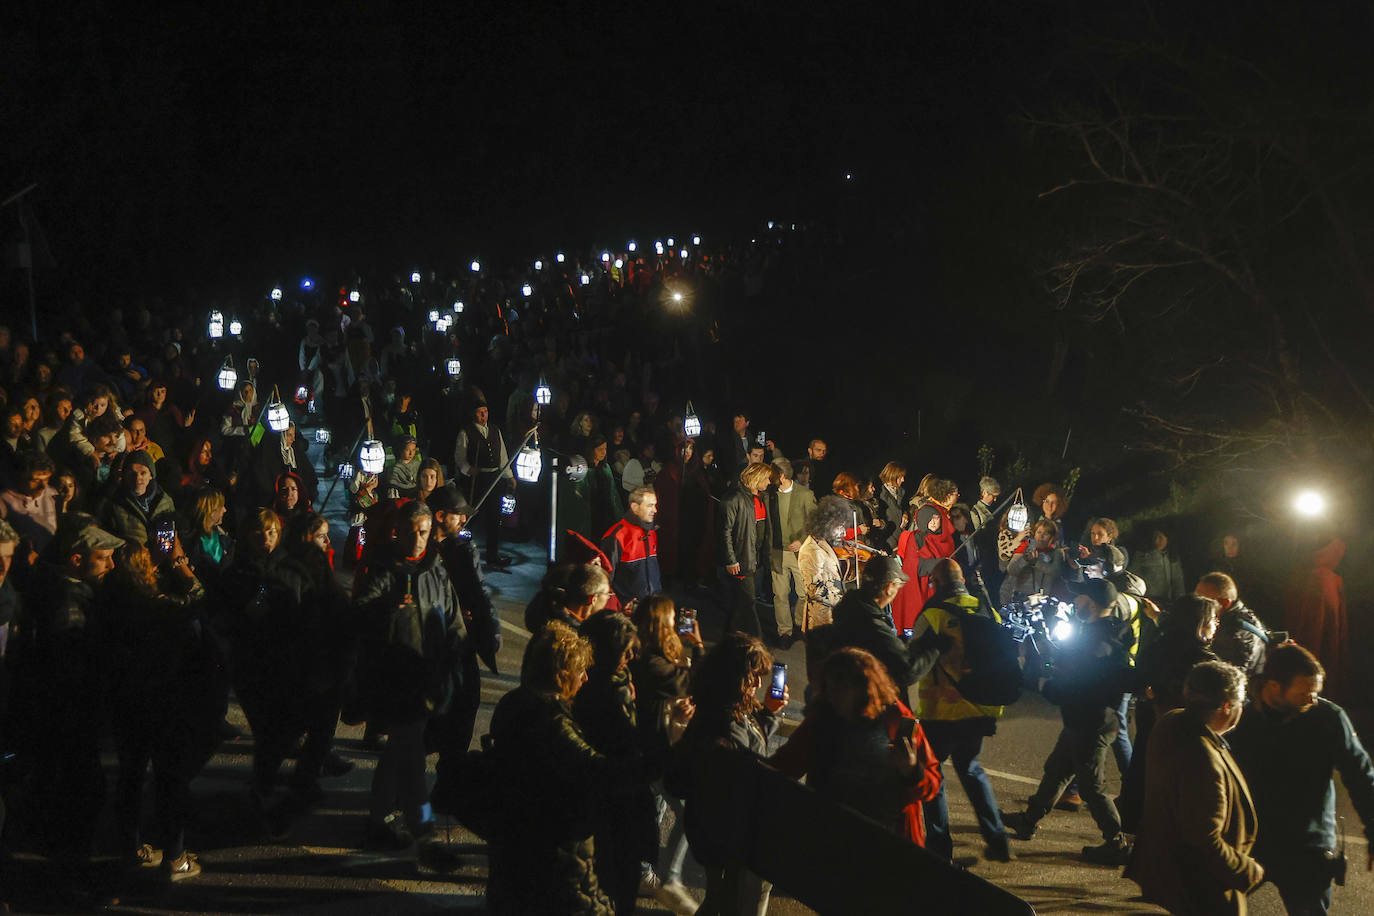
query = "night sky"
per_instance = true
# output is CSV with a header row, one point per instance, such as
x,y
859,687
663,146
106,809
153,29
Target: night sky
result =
x,y
193,150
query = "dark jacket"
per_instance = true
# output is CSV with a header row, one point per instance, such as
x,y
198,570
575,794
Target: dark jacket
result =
x,y
411,649
542,860
1239,640
859,622
262,606
133,519
633,551
1163,666
1091,673
892,508
1162,572
1288,761
658,682
479,614
738,532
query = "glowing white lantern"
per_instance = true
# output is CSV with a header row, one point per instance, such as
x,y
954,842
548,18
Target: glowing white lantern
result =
x,y
527,290
586,279
671,242
355,296
235,327
476,267
433,314
307,283
454,367
302,394
458,306
1017,517
605,257
228,378
345,471
277,417
414,276
691,424
507,505
215,328
619,263
560,257
543,394
696,240
323,436
538,265
528,464
576,469
372,457
276,294
658,247
684,254
632,247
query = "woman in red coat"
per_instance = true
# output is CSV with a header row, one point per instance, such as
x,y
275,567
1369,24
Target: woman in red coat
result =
x,y
1316,616
930,540
861,747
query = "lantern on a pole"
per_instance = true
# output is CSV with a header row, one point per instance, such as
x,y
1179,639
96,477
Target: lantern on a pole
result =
x,y
691,424
277,417
543,394
235,327
215,327
323,436
507,505
1017,516
372,457
528,464
228,377
454,366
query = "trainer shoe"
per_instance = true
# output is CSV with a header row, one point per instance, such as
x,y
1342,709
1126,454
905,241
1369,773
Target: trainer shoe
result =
x,y
1069,801
1019,824
675,896
146,857
182,867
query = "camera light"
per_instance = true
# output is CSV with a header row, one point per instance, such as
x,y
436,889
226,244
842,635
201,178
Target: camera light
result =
x,y
355,296
848,176
1063,630
372,457
414,276
677,297
527,290
276,294
770,224
476,267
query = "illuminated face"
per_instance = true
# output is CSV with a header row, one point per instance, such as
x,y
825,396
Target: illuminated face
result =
x,y
1050,505
429,479
266,539
158,397
14,425
740,424
76,353
708,457
419,535
480,415
64,410
320,537
97,565
33,412
756,455
290,493
38,482
66,487
1230,546
408,452
1099,536
1161,541
585,425
138,434
599,454
217,515
816,450
141,477
1044,538
96,407
206,453
453,523
646,509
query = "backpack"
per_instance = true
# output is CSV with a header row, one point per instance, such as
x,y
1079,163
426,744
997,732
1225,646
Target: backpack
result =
x,y
993,662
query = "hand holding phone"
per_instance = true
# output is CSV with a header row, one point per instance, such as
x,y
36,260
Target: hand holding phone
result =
x,y
778,690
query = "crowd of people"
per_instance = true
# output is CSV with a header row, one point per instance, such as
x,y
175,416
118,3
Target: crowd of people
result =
x,y
162,548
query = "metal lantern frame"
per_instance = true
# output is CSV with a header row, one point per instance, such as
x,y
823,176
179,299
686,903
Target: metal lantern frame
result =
x,y
529,463
228,375
277,417
214,328
691,423
372,457
453,366
543,394
507,505
1018,516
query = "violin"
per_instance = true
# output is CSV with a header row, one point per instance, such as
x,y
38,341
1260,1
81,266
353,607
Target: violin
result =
x,y
853,557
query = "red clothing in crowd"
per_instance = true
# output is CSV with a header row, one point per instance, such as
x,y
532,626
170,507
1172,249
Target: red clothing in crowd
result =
x,y
1316,615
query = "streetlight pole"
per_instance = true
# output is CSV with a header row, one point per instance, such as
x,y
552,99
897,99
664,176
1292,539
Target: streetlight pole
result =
x,y
553,510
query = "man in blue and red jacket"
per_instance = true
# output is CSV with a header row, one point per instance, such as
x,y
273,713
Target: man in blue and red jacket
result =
x,y
632,545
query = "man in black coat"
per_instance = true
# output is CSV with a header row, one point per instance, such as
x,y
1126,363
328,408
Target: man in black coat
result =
x,y
863,620
745,538
1241,639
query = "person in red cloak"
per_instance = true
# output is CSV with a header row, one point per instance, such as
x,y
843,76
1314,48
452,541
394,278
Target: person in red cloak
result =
x,y
1316,617
930,540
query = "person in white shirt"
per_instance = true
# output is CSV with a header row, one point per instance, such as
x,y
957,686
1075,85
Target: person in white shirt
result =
x,y
640,471
479,456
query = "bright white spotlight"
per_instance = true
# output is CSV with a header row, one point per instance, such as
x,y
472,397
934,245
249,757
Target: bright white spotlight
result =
x,y
1309,503
677,297
1063,630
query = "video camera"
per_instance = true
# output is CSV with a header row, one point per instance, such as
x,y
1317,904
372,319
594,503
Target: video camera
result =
x,y
1039,615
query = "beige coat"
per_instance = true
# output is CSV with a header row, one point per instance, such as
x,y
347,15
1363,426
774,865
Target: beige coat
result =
x,y
820,573
1192,853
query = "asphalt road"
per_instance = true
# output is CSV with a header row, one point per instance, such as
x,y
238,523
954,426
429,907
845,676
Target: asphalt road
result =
x,y
318,868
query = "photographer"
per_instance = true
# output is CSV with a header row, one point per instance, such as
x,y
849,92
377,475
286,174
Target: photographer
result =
x,y
1090,676
1035,566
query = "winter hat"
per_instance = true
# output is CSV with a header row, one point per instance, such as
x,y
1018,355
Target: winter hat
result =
x,y
141,457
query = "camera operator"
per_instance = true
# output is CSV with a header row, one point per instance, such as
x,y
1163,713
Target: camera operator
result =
x,y
1090,675
1288,744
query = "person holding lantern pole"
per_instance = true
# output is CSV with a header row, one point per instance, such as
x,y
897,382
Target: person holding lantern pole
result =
x,y
480,457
